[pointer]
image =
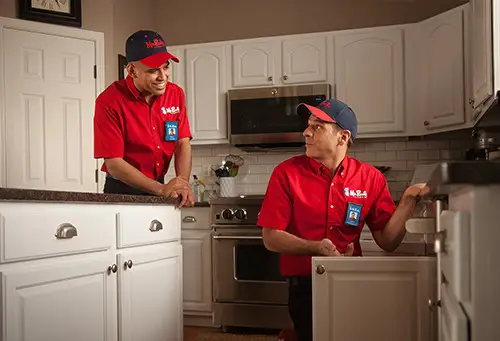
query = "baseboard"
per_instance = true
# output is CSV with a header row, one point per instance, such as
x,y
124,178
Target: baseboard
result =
x,y
199,321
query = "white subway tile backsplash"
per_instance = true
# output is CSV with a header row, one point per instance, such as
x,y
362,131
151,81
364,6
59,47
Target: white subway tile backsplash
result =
x,y
399,154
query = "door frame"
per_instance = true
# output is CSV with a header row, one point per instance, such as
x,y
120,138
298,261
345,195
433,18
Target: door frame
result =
x,y
56,30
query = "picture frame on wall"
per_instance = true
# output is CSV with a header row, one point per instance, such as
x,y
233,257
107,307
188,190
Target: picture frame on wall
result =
x,y
122,67
58,12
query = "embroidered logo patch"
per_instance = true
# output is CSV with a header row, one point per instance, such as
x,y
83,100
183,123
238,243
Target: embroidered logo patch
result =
x,y
170,110
355,193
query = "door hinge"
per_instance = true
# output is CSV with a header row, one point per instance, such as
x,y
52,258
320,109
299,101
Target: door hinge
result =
x,y
95,71
96,175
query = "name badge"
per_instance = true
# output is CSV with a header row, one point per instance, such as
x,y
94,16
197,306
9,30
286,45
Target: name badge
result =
x,y
353,214
171,131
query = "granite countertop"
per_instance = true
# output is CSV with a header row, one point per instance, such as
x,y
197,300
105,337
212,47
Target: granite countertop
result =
x,y
15,194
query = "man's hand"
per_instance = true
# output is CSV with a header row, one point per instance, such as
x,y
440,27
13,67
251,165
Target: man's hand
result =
x,y
179,187
327,248
415,192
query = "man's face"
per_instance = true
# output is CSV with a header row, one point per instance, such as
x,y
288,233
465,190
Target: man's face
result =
x,y
147,80
323,139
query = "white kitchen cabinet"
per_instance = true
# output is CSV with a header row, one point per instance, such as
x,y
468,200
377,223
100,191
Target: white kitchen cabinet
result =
x,y
65,278
279,61
150,293
60,300
369,77
177,73
442,66
197,266
387,296
481,52
206,93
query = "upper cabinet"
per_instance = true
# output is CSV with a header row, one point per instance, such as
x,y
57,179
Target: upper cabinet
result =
x,y
481,52
369,77
279,61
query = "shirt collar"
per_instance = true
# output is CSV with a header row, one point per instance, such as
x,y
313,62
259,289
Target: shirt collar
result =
x,y
320,169
131,87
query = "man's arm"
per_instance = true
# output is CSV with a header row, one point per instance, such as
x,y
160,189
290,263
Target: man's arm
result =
x,y
283,242
183,158
391,236
125,172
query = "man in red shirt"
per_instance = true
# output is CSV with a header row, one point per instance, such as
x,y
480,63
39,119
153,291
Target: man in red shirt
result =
x,y
141,122
317,204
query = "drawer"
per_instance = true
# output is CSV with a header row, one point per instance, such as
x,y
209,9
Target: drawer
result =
x,y
454,322
143,225
454,252
39,230
196,218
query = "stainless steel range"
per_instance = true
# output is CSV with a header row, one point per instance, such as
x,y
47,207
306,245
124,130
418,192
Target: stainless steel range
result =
x,y
248,288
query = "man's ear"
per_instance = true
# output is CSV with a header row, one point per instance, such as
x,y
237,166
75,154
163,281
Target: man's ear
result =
x,y
131,70
345,136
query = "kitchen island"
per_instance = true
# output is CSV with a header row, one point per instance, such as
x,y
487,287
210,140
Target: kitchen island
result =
x,y
87,266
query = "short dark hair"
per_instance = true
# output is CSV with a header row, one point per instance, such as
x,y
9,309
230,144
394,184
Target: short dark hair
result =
x,y
339,128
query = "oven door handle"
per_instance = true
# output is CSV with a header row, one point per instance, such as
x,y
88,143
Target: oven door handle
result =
x,y
238,237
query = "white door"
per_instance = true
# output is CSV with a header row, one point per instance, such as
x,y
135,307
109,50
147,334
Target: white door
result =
x,y
150,293
304,60
49,109
63,300
255,63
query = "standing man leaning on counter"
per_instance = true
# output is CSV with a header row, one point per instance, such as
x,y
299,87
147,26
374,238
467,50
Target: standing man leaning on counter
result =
x,y
317,204
141,122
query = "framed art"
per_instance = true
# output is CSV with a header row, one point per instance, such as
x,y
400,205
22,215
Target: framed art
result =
x,y
122,67
58,12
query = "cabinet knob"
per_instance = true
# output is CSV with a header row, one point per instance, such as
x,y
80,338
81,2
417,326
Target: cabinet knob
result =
x,y
439,242
270,78
128,264
66,231
426,123
155,226
285,77
189,219
471,101
433,304
112,269
320,269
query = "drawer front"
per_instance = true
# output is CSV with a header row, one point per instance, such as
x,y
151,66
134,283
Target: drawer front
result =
x,y
31,231
143,225
196,218
453,319
454,252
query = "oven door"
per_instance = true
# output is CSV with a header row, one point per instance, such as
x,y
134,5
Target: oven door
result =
x,y
244,271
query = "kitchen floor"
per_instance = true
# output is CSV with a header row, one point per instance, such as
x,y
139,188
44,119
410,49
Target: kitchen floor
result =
x,y
216,334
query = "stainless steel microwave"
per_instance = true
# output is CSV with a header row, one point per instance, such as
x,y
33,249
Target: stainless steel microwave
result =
x,y
263,118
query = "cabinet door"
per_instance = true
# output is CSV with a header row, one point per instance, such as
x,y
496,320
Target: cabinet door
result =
x,y
304,60
150,295
197,270
442,70
386,296
481,51
369,73
254,63
65,300
205,91
177,70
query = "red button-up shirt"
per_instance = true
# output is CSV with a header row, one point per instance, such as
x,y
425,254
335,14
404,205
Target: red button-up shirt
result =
x,y
125,126
303,199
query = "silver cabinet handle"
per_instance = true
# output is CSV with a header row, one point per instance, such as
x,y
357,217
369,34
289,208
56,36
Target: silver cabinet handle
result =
x,y
155,226
66,231
112,269
189,219
440,242
238,237
128,264
320,269
285,77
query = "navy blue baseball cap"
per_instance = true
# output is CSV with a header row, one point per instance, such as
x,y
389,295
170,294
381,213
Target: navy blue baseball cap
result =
x,y
149,48
333,111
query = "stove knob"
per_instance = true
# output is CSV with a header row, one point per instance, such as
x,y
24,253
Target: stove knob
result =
x,y
240,214
227,214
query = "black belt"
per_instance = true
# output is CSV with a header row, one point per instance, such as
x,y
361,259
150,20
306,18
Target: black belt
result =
x,y
115,186
299,280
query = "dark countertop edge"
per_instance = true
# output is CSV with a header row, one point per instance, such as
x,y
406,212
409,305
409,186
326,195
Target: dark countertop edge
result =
x,y
202,204
31,195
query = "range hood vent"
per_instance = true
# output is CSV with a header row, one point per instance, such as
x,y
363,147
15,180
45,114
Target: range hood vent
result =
x,y
272,147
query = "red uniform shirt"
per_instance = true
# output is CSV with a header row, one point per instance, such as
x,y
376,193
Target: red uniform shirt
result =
x,y
125,126
303,199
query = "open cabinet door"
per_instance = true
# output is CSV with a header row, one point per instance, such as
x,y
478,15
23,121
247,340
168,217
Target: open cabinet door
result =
x,y
374,298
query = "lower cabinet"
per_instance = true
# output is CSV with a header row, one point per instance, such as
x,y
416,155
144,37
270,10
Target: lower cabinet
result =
x,y
374,298
126,294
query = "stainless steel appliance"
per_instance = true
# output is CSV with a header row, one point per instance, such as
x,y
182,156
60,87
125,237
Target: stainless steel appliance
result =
x,y
266,118
248,289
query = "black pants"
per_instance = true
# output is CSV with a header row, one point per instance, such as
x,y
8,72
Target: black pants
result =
x,y
114,186
300,306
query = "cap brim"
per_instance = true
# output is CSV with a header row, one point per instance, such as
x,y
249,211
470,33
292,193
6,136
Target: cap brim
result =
x,y
158,59
306,109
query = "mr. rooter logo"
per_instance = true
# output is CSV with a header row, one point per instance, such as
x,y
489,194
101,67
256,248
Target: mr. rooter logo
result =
x,y
155,43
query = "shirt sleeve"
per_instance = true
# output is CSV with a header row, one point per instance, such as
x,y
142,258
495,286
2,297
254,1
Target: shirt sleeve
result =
x,y
108,132
382,209
276,209
184,128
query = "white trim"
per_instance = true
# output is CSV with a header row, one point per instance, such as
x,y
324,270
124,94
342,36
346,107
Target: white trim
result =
x,y
496,45
56,30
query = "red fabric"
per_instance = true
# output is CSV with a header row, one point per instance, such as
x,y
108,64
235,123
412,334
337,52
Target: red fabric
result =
x,y
287,334
126,126
302,198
